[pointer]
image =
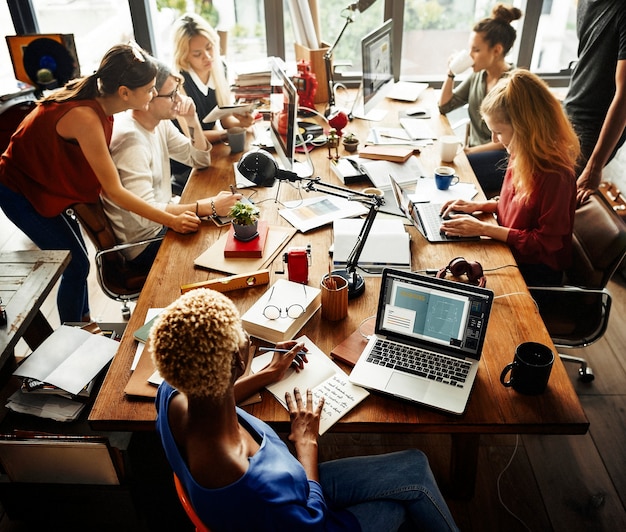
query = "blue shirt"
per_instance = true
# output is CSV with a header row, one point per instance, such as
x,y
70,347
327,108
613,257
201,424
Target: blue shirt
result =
x,y
273,495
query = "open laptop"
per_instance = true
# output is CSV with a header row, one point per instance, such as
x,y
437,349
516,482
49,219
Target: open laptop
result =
x,y
433,327
426,217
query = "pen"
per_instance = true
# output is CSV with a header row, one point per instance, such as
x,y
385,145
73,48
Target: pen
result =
x,y
233,189
299,353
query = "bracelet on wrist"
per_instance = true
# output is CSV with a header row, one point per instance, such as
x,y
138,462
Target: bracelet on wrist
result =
x,y
451,75
213,210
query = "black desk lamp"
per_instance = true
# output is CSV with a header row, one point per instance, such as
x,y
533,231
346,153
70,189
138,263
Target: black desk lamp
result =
x,y
356,283
359,7
250,165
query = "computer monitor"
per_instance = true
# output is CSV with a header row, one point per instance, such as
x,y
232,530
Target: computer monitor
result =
x,y
284,119
377,57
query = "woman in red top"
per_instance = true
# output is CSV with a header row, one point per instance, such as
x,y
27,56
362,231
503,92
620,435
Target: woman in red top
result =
x,y
59,156
535,210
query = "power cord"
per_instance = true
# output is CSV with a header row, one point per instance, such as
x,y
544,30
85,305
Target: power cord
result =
x,y
498,486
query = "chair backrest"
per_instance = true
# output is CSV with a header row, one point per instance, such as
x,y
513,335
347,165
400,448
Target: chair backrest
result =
x,y
191,513
599,244
116,277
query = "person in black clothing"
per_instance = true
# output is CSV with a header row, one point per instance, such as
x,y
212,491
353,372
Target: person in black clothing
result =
x,y
596,100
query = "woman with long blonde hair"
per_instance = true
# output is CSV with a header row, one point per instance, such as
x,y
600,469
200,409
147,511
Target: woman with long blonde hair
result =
x,y
197,58
536,207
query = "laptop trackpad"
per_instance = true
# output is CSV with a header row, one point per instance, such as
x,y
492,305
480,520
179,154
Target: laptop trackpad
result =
x,y
407,386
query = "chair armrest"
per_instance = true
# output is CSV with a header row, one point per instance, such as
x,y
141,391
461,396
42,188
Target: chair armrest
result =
x,y
128,245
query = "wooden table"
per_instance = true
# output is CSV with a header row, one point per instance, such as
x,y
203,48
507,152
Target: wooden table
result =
x,y
492,409
26,279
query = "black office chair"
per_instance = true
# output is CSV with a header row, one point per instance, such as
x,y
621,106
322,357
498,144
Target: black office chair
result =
x,y
577,314
118,279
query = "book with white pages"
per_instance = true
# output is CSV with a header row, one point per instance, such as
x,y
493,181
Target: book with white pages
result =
x,y
285,297
406,173
311,213
324,378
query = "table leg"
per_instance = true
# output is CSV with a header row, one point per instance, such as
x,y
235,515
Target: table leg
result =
x,y
463,465
38,330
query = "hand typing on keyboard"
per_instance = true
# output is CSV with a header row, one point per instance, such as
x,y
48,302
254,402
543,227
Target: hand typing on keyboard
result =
x,y
457,219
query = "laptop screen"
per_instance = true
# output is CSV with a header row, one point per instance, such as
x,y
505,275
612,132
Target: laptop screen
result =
x,y
448,316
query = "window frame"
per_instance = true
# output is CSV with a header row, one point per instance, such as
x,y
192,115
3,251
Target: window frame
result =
x,y
25,21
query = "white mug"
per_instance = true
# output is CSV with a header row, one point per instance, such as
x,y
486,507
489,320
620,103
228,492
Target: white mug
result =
x,y
448,147
461,62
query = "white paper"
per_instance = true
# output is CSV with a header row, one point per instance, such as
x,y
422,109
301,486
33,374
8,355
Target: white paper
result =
x,y
323,377
69,358
47,406
220,112
406,91
417,128
310,213
426,191
151,313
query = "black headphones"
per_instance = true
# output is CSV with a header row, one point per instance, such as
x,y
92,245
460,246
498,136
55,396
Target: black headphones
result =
x,y
459,266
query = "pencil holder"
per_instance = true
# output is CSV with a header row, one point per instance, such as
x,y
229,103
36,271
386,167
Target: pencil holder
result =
x,y
334,297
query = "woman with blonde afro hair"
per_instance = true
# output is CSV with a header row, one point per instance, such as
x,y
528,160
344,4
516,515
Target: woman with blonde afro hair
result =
x,y
535,210
238,473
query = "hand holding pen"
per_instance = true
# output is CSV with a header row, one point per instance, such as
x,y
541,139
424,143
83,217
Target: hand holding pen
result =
x,y
287,354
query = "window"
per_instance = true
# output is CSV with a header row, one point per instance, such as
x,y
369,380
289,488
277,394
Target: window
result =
x,y
240,24
96,25
556,42
432,29
6,28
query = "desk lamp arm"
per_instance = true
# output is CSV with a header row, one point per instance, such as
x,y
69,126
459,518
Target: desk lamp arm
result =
x,y
356,284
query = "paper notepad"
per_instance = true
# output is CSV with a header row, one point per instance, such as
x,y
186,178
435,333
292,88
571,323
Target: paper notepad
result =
x,y
427,192
323,377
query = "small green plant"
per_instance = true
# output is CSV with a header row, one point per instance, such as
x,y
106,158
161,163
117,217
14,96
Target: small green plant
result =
x,y
244,213
350,138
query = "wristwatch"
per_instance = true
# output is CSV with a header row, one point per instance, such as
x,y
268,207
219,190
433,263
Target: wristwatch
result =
x,y
450,75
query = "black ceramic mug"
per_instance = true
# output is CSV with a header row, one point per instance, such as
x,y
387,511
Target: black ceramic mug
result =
x,y
530,369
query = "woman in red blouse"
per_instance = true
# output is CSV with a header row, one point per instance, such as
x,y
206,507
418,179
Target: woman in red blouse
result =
x,y
535,211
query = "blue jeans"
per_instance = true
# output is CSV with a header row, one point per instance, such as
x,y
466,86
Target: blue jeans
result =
x,y
385,491
59,232
489,167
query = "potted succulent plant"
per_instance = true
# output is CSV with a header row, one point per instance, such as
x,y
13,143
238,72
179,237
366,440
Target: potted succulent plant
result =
x,y
245,221
350,142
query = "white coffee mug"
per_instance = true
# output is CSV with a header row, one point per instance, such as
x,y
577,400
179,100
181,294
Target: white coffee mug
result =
x,y
461,62
448,147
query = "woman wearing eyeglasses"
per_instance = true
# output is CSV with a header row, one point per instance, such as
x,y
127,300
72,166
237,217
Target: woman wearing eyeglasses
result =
x,y
238,473
59,156
142,145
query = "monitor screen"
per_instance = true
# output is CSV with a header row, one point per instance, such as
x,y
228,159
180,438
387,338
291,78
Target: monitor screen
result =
x,y
377,56
283,113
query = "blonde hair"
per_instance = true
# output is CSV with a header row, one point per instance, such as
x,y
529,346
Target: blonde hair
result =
x,y
543,138
194,340
187,27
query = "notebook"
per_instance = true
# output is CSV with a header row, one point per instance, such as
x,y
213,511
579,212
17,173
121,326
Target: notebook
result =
x,y
428,340
426,217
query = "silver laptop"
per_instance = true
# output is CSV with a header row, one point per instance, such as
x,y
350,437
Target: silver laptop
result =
x,y
428,340
426,217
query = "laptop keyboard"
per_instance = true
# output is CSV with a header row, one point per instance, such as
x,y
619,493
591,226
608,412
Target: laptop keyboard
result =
x,y
431,219
433,366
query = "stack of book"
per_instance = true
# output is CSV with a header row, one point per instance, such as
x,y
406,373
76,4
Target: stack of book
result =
x,y
252,82
282,294
234,248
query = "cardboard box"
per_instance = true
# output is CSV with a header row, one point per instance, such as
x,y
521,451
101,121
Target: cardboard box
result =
x,y
318,67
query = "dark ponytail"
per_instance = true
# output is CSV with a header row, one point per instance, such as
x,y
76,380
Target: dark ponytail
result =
x,y
124,64
498,29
